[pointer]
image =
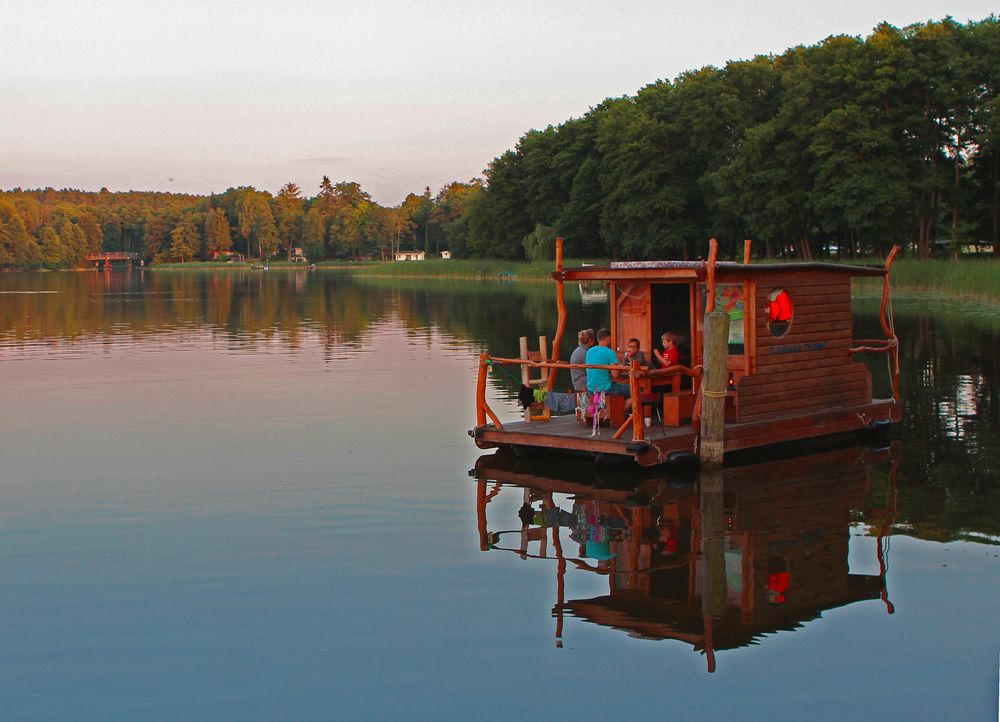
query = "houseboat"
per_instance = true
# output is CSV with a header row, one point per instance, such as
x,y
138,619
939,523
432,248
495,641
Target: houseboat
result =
x,y
793,369
716,567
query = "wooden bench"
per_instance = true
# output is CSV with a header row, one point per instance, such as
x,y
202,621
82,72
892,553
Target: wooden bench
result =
x,y
677,407
616,409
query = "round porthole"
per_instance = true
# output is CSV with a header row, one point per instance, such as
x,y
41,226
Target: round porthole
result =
x,y
779,311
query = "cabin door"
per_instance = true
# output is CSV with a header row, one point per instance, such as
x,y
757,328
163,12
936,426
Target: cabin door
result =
x,y
632,314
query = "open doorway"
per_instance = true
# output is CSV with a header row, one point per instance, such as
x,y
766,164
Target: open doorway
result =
x,y
671,311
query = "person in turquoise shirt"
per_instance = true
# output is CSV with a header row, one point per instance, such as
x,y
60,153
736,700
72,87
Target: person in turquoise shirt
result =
x,y
602,379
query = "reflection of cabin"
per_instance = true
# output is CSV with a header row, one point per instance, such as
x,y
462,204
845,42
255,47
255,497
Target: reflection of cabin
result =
x,y
791,367
768,552
410,255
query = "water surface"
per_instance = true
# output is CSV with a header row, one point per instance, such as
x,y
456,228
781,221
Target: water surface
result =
x,y
247,496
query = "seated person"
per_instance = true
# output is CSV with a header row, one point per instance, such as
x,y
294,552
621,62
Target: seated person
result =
x,y
601,379
633,352
585,341
671,355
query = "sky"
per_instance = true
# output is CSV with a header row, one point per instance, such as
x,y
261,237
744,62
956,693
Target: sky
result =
x,y
201,96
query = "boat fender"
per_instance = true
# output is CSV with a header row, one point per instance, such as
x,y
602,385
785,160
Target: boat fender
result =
x,y
881,426
682,458
636,447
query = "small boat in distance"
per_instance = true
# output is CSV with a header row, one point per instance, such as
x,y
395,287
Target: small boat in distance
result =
x,y
792,364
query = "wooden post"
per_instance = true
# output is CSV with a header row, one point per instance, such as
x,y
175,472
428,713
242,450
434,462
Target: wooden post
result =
x,y
561,308
525,371
713,388
543,355
746,251
481,392
481,514
638,429
713,553
713,252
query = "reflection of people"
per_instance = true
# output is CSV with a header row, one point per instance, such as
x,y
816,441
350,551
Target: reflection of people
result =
x,y
633,352
601,379
668,539
585,339
671,355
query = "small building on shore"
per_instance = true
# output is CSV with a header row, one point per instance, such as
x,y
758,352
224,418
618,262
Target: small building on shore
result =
x,y
411,255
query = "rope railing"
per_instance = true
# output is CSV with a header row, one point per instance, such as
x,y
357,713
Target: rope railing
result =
x,y
874,345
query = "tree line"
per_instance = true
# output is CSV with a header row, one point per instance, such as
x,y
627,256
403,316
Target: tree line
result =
x,y
840,148
50,228
844,147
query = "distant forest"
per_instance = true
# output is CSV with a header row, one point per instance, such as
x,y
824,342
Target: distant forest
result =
x,y
840,148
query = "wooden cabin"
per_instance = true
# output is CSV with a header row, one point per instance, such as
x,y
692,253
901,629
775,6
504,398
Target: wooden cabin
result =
x,y
793,368
766,551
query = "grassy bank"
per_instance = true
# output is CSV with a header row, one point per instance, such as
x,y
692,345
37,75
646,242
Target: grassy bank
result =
x,y
467,268
964,278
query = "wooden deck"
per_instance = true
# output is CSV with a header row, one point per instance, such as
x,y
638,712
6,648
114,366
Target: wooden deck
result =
x,y
567,434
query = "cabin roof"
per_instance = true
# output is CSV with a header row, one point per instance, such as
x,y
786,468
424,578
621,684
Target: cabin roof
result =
x,y
697,269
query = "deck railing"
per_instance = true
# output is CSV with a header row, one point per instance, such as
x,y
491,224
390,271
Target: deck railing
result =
x,y
634,371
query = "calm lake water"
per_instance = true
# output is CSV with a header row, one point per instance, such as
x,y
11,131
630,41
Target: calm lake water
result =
x,y
236,496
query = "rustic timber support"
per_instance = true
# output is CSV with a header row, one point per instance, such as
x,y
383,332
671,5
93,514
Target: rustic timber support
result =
x,y
481,391
540,357
561,310
482,408
713,252
713,552
714,387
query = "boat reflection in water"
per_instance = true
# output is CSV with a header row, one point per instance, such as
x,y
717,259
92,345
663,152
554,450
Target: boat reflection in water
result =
x,y
716,560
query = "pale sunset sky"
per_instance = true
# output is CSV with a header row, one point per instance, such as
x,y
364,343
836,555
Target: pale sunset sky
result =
x,y
200,96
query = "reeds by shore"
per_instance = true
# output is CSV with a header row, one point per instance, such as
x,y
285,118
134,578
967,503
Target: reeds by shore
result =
x,y
974,278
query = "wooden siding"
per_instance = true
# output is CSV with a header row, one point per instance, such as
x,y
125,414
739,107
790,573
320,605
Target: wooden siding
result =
x,y
632,301
810,368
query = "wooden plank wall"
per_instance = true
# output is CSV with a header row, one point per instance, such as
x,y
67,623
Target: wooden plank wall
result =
x,y
800,509
633,302
809,368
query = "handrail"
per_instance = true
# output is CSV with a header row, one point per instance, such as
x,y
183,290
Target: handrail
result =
x,y
635,372
683,370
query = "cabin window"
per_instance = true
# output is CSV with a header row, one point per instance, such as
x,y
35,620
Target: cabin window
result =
x,y
729,298
779,311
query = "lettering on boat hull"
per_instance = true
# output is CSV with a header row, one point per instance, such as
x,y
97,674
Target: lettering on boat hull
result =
x,y
799,347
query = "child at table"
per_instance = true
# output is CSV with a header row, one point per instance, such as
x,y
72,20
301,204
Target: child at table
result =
x,y
671,355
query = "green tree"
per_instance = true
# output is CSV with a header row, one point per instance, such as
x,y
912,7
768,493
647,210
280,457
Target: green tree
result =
x,y
17,247
185,240
53,253
256,222
218,234
74,240
290,204
314,234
